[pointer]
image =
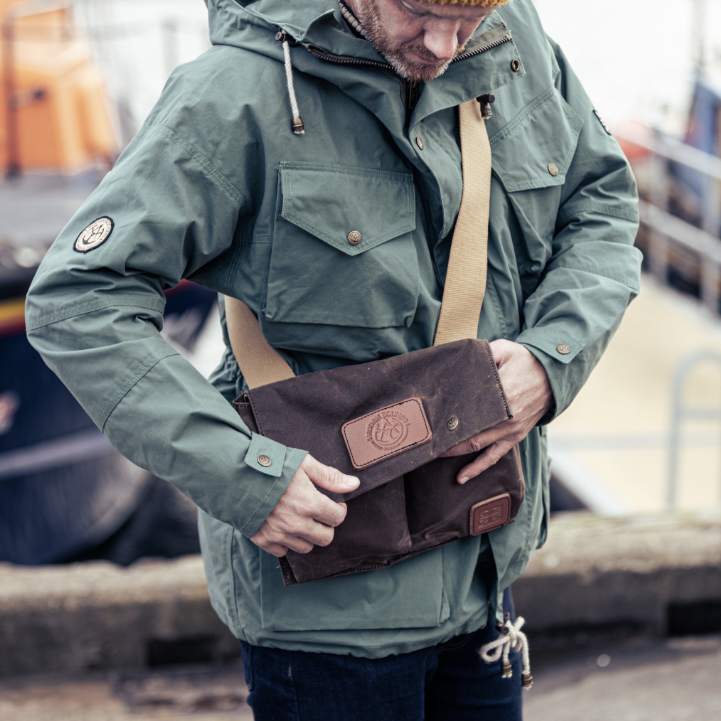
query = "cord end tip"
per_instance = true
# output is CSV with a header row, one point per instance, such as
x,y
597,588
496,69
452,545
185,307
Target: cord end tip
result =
x,y
297,125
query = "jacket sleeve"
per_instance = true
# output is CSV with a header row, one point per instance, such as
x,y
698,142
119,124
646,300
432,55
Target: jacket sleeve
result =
x,y
95,317
594,270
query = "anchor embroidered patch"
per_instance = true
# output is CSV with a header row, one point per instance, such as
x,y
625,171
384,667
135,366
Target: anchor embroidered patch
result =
x,y
94,235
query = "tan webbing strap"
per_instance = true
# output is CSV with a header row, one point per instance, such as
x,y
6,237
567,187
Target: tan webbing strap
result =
x,y
259,362
465,287
467,266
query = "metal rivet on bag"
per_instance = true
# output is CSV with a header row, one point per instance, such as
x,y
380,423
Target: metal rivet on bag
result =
x,y
453,423
515,65
354,237
419,143
563,349
553,169
264,461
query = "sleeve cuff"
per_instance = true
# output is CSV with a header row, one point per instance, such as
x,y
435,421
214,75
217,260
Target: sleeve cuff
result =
x,y
554,350
278,465
265,455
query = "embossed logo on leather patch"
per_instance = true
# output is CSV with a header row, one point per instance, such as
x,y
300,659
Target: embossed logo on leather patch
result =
x,y
386,432
491,514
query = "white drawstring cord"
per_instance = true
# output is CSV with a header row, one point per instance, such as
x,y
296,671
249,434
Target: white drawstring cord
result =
x,y
511,638
297,124
283,37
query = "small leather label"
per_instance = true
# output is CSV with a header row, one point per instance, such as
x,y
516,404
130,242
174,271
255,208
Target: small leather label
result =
x,y
386,432
491,514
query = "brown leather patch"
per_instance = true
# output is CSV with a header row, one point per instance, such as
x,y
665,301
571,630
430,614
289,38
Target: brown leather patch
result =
x,y
386,432
489,515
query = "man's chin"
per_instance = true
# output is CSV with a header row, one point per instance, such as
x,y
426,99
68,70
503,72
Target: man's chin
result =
x,y
418,72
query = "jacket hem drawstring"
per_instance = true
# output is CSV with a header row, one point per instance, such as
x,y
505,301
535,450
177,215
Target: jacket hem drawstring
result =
x,y
511,638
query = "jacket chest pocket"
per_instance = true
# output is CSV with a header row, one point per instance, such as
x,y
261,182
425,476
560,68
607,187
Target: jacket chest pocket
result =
x,y
343,251
531,156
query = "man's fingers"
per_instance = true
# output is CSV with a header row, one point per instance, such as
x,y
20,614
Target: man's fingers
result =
x,y
477,443
299,545
331,514
301,537
330,479
317,534
275,549
488,458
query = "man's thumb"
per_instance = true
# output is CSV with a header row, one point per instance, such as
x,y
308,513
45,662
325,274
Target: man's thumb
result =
x,y
330,479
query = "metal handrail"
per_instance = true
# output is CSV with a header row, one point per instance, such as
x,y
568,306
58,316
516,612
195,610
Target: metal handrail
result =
x,y
703,242
686,235
675,150
680,413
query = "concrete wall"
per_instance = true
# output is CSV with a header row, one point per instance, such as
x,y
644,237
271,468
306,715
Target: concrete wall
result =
x,y
593,573
638,572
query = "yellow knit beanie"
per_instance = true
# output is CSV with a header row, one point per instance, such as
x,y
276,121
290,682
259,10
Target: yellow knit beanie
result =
x,y
478,3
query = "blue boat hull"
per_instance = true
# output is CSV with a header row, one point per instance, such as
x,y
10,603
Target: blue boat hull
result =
x,y
63,488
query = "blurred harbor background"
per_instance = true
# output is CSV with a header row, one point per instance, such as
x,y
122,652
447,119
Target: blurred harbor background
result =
x,y
636,459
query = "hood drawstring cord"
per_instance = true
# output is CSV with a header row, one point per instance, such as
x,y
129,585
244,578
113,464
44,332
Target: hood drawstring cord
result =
x,y
511,638
287,40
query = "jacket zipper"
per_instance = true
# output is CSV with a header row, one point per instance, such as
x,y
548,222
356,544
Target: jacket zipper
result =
x,y
501,41
346,60
410,88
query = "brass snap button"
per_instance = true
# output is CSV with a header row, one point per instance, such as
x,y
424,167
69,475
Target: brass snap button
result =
x,y
515,65
354,237
264,461
453,423
419,143
553,169
563,349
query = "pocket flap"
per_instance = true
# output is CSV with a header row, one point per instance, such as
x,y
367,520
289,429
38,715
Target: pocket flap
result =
x,y
535,149
352,209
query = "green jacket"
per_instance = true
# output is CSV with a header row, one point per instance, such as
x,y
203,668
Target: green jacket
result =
x,y
217,189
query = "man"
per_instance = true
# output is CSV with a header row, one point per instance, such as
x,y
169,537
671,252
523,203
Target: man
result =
x,y
308,121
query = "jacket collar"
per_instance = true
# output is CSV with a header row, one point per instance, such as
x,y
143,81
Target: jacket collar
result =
x,y
319,24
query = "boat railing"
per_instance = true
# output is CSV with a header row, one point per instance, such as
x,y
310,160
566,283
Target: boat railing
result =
x,y
668,240
666,232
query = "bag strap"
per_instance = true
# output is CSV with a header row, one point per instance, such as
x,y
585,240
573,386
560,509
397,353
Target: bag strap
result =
x,y
468,262
261,364
258,361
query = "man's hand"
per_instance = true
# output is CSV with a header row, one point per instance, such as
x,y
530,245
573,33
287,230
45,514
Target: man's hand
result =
x,y
303,517
529,395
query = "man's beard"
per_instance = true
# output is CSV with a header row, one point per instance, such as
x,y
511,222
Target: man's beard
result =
x,y
396,55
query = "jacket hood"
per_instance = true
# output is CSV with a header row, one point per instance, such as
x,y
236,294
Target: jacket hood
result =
x,y
318,25
315,22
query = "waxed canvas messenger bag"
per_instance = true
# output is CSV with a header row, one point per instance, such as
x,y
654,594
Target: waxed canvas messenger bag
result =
x,y
387,422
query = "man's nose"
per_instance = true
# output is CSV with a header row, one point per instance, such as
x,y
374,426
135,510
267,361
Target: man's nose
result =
x,y
442,41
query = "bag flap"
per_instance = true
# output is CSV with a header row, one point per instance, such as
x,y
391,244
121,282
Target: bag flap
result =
x,y
455,385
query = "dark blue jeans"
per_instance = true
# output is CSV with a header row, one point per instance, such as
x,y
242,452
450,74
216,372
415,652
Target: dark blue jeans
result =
x,y
448,682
